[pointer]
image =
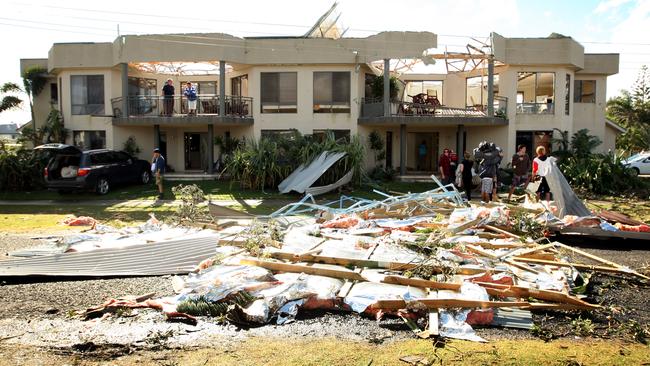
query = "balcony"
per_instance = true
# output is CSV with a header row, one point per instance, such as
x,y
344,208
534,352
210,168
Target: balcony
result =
x,y
536,108
372,113
145,110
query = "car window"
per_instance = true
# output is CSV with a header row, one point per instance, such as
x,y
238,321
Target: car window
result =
x,y
100,159
122,156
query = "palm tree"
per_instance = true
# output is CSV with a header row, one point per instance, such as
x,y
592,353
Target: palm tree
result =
x,y
10,101
34,80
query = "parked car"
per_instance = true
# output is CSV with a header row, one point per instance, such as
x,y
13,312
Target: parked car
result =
x,y
640,163
70,169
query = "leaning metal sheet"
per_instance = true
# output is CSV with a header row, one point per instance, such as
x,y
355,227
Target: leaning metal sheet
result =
x,y
170,257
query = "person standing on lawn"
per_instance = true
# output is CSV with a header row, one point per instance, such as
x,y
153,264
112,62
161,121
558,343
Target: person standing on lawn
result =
x,y
158,169
444,166
541,167
520,169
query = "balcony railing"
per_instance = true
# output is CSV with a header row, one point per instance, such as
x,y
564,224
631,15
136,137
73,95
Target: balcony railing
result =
x,y
161,106
535,108
374,107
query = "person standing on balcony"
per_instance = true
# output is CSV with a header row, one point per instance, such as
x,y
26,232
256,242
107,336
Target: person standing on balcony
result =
x,y
158,169
444,166
168,101
190,94
520,169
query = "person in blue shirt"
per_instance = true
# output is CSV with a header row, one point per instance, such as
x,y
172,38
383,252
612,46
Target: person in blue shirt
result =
x,y
190,93
158,169
422,155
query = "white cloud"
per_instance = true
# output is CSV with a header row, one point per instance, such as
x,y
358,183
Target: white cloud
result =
x,y
605,6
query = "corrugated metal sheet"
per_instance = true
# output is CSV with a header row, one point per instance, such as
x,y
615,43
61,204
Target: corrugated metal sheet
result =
x,y
303,177
170,257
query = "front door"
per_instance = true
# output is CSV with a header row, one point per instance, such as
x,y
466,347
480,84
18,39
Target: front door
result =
x,y
196,147
422,155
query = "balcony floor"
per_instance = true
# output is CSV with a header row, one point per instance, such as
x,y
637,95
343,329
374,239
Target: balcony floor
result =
x,y
183,119
430,120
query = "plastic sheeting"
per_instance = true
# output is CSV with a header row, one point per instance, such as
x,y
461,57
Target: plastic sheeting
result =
x,y
565,199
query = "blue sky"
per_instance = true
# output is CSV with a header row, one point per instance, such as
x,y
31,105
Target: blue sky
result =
x,y
612,26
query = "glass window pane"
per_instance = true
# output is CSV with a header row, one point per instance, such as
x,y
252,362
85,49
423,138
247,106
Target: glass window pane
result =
x,y
322,88
526,86
269,87
545,90
341,88
288,88
78,86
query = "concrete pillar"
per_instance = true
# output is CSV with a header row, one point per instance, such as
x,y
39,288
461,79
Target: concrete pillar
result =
x,y
402,149
210,148
156,137
490,87
386,96
460,146
222,88
124,74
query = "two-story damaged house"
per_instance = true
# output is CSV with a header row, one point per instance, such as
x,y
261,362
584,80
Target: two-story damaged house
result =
x,y
518,92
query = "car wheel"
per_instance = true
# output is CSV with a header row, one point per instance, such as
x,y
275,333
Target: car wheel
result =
x,y
102,186
145,177
635,171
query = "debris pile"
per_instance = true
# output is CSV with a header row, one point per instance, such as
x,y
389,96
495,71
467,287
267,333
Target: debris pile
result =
x,y
429,258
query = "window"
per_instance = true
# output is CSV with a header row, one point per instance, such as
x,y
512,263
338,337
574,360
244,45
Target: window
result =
x,y
141,86
202,87
54,93
279,92
432,88
87,94
239,86
584,91
476,91
89,140
331,92
274,134
567,95
538,90
320,135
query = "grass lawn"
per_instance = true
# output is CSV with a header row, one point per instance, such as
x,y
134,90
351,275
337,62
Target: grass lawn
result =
x,y
218,190
330,351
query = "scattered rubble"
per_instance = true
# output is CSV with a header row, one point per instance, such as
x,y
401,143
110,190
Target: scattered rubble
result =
x,y
430,259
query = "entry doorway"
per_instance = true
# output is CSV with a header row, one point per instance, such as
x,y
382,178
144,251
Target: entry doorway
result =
x,y
422,151
196,151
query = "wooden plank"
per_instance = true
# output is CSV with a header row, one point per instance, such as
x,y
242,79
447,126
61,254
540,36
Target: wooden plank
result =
x,y
367,263
298,268
500,231
433,317
447,303
590,256
494,289
581,266
480,251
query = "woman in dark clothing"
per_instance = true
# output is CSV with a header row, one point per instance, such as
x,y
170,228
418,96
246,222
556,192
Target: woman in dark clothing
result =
x,y
466,170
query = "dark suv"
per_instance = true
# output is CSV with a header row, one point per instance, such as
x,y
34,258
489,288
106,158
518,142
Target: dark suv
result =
x,y
71,169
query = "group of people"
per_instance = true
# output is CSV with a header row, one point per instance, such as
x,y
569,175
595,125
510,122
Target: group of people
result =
x,y
484,163
168,98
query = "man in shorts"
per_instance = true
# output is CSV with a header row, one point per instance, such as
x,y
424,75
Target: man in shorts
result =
x,y
520,169
158,169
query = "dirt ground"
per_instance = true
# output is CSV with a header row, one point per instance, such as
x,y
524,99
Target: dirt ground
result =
x,y
37,324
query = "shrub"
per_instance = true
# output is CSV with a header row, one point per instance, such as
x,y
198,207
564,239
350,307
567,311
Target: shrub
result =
x,y
20,170
600,174
266,162
131,147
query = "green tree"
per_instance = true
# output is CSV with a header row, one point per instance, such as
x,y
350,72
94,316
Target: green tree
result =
x,y
34,80
10,101
632,111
